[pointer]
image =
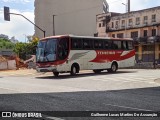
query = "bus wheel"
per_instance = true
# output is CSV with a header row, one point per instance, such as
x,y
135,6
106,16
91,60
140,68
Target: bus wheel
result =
x,y
97,71
56,74
113,68
74,70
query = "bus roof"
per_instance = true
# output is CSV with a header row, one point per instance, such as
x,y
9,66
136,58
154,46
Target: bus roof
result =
x,y
75,36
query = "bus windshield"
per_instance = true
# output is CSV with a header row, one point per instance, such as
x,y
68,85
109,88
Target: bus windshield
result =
x,y
46,50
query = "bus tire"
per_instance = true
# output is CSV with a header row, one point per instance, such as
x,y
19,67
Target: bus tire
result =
x,y
114,68
74,70
97,71
56,74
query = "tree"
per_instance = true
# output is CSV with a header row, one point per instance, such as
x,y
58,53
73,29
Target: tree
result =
x,y
23,50
6,44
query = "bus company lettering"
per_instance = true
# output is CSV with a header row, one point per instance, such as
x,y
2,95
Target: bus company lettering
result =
x,y
106,53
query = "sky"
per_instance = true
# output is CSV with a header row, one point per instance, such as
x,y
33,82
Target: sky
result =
x,y
20,28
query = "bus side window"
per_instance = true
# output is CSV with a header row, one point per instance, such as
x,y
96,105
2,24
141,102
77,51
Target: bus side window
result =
x,y
130,45
117,45
106,45
76,43
124,45
87,43
96,44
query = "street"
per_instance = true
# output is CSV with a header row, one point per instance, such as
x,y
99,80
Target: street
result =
x,y
126,90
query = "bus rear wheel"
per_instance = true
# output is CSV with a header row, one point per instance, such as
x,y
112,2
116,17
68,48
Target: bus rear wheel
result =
x,y
56,74
113,68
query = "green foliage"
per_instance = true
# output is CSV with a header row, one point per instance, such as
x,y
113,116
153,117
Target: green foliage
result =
x,y
26,49
6,44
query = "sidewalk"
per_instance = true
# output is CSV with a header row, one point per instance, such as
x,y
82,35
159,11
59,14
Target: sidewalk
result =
x,y
157,81
20,72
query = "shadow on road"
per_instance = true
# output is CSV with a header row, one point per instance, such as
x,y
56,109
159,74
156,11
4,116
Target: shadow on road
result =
x,y
68,76
142,99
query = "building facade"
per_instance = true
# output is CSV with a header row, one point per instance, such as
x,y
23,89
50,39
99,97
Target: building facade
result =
x,y
143,26
76,17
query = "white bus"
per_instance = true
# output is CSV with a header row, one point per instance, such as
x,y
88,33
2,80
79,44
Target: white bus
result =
x,y
69,53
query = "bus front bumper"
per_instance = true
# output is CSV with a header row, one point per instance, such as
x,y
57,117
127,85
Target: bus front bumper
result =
x,y
47,69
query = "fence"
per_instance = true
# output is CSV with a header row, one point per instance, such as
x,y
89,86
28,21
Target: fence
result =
x,y
8,65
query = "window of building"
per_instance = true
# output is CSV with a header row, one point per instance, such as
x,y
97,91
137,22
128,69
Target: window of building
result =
x,y
120,35
123,23
145,19
130,22
116,24
134,34
103,24
153,18
148,48
145,33
113,35
137,20
99,24
112,24
153,32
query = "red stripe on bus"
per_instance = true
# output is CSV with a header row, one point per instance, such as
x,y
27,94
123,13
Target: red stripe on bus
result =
x,y
109,56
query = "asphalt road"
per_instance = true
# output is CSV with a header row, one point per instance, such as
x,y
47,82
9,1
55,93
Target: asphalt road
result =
x,y
127,90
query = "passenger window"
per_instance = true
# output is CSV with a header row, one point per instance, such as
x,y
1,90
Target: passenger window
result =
x,y
87,44
76,43
98,44
117,45
108,45
130,45
124,45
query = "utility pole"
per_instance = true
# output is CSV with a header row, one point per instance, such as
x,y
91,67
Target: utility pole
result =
x,y
126,15
129,6
54,25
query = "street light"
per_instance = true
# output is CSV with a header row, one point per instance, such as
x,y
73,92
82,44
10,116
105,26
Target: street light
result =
x,y
125,20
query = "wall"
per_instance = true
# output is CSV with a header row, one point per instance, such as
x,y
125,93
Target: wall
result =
x,y
76,17
8,65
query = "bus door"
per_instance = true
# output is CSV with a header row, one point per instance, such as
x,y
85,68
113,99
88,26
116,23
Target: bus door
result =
x,y
62,53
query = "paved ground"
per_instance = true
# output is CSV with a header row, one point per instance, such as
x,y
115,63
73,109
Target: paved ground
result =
x,y
127,90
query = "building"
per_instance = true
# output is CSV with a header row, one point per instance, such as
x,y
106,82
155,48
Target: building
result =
x,y
4,36
76,17
13,40
143,26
